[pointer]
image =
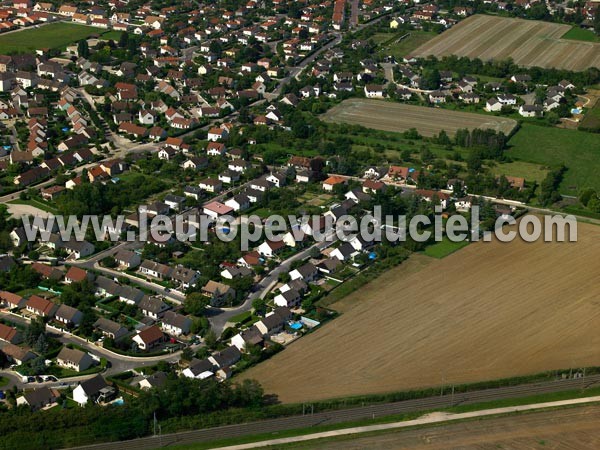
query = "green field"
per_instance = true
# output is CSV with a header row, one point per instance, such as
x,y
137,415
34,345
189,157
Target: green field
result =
x,y
398,49
579,34
591,120
529,171
577,150
55,35
444,248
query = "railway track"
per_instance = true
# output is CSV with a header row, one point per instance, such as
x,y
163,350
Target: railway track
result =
x,y
274,426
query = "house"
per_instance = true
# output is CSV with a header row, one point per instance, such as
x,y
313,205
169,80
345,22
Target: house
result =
x,y
110,329
430,196
68,315
273,322
74,359
276,179
493,105
217,209
270,248
436,97
330,183
344,252
507,99
127,259
130,295
77,275
156,380
149,337
238,202
373,91
216,149
10,334
329,266
16,354
153,307
531,110
249,338
195,163
211,185
516,182
11,301
175,324
199,369
307,272
226,358
219,293
106,287
175,202
229,177
39,398
40,306
155,269
215,134
375,173
373,187
229,273
290,298
94,389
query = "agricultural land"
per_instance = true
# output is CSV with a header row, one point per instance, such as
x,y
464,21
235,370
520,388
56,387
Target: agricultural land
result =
x,y
400,117
529,43
565,428
452,321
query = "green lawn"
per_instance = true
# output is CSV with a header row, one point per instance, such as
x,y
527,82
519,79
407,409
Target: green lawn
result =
x,y
577,150
529,171
55,35
3,381
579,34
402,48
444,248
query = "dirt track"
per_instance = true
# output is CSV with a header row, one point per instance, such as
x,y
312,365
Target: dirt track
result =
x,y
489,311
399,117
573,428
529,43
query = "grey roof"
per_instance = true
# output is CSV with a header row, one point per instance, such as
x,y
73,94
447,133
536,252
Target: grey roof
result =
x,y
93,385
176,320
153,304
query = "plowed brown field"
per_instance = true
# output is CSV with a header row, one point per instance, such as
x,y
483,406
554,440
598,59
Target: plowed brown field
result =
x,y
528,42
489,311
399,117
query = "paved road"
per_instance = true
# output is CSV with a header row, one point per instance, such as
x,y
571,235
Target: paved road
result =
x,y
220,317
349,415
118,363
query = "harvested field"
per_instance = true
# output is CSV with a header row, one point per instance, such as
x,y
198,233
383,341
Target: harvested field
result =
x,y
399,117
529,43
575,428
489,311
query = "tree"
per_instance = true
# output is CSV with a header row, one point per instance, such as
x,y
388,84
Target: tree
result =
x,y
195,304
109,262
210,339
83,49
260,306
124,39
597,21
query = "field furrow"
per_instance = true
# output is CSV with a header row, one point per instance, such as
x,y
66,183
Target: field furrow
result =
x,y
529,43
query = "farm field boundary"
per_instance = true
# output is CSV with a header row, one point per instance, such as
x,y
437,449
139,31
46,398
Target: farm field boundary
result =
x,y
528,43
399,117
